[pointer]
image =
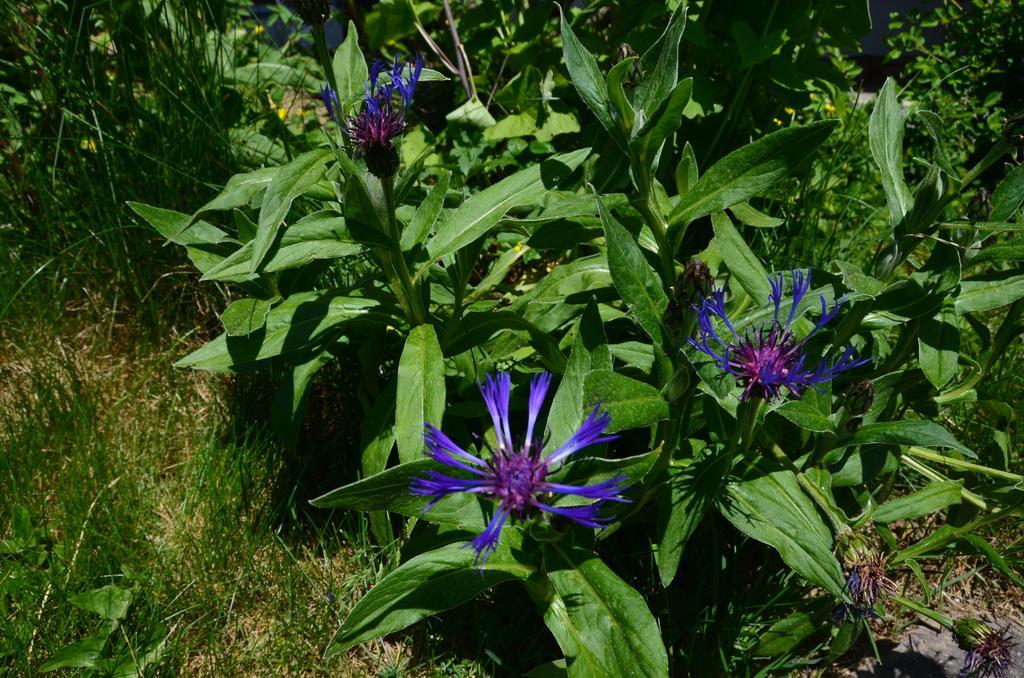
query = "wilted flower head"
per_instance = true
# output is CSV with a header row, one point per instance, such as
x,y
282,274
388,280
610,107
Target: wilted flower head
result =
x,y
313,12
373,130
516,475
987,650
770,357
866,580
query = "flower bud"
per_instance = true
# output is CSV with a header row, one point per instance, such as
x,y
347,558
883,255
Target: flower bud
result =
x,y
382,161
635,72
1013,129
313,12
859,397
987,651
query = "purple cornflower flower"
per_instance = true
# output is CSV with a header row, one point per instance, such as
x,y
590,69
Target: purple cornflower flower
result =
x,y
516,477
373,130
770,358
987,651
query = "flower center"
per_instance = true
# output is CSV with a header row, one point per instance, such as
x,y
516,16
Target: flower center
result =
x,y
517,475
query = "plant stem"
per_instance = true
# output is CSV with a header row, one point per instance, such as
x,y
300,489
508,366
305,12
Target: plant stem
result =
x,y
320,40
409,289
931,455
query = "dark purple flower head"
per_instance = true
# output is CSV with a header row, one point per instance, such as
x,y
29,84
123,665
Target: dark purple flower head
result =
x,y
770,357
867,583
987,650
374,129
516,476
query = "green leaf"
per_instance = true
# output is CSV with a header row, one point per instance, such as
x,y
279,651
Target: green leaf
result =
x,y
601,623
288,183
559,296
740,259
773,509
262,74
479,327
586,76
179,228
242,317
315,237
748,171
858,281
885,136
686,171
806,415
785,634
937,495
990,291
421,390
660,66
239,190
938,344
589,352
293,326
631,403
473,112
638,284
749,216
430,583
389,491
483,210
936,130
923,433
350,72
426,214
1008,196
617,98
664,121
84,654
691,490
110,602
289,408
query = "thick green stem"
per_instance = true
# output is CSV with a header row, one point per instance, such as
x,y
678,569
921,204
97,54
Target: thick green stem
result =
x,y
320,40
408,289
931,455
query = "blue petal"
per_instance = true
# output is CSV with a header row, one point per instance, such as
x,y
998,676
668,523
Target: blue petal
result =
x,y
591,432
538,392
487,541
496,392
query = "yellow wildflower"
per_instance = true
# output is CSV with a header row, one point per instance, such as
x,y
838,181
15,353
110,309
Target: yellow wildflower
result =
x,y
519,247
259,30
282,114
829,108
390,328
88,145
777,121
789,110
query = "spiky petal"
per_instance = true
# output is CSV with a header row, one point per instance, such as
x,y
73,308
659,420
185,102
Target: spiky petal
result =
x,y
770,357
515,476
